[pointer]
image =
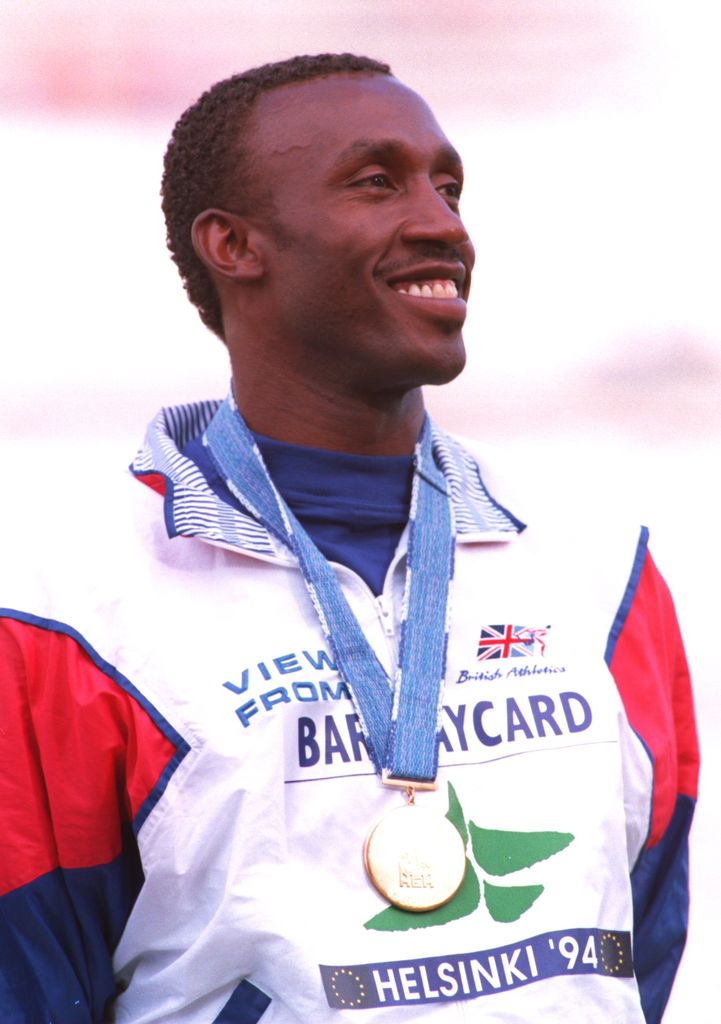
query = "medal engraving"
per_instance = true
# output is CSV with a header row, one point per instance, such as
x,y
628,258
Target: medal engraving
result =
x,y
415,858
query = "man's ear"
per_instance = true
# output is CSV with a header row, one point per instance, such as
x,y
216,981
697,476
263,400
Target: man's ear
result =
x,y
228,245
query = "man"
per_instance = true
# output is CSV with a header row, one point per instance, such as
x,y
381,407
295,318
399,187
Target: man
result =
x,y
235,784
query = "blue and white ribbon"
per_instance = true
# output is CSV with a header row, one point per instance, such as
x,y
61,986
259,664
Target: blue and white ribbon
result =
x,y
400,718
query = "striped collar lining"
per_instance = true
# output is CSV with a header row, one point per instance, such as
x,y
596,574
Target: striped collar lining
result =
x,y
192,509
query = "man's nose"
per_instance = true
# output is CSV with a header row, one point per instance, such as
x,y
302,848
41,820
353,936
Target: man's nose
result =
x,y
431,219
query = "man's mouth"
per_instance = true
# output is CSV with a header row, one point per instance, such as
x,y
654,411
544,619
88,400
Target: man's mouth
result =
x,y
437,288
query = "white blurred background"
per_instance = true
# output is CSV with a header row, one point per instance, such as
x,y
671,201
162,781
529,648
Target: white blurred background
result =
x,y
590,130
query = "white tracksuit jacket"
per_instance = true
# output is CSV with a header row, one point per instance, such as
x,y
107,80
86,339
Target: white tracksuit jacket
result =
x,y
187,791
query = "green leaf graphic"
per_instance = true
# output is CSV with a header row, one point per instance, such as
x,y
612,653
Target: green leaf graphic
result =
x,y
455,814
466,900
500,853
497,852
507,902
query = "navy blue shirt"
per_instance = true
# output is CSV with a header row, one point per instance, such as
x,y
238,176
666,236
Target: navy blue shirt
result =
x,y
354,507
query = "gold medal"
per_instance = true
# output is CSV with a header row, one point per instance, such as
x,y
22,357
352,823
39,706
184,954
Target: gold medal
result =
x,y
415,858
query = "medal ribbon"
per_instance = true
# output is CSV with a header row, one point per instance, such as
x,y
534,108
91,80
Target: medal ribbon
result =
x,y
400,719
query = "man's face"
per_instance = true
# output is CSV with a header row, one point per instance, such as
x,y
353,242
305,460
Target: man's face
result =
x,y
369,263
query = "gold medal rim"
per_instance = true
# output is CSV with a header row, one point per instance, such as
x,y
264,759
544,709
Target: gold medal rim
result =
x,y
436,819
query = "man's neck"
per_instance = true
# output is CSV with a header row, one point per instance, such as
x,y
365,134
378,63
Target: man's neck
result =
x,y
386,425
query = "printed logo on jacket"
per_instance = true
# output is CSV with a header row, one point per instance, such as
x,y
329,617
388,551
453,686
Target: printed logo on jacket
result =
x,y
439,979
509,695
496,882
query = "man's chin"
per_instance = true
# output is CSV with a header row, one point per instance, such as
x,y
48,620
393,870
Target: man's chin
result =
x,y
445,363
429,373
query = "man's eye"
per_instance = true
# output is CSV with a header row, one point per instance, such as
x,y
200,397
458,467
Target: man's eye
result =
x,y
452,189
375,181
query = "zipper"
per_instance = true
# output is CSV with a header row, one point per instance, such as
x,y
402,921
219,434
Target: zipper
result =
x,y
385,615
383,608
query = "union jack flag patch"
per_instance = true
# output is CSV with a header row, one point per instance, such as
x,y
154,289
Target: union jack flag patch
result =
x,y
510,642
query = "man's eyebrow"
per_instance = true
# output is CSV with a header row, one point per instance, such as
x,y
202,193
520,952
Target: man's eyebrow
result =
x,y
380,150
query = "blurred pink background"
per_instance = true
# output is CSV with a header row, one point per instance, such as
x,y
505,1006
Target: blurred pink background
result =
x,y
590,133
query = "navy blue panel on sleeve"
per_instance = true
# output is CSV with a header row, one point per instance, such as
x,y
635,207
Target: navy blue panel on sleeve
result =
x,y
57,936
660,905
246,1006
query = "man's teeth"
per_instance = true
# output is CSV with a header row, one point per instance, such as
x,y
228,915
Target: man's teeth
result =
x,y
443,288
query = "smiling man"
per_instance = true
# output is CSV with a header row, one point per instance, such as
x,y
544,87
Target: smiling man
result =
x,y
256,764
345,291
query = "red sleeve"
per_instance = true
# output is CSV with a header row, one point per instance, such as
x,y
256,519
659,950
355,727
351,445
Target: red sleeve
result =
x,y
646,657
80,755
648,662
83,758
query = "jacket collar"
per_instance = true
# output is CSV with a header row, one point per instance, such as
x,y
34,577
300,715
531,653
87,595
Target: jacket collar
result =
x,y
192,509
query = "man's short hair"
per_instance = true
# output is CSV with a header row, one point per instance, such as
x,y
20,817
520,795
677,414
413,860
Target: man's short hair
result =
x,y
208,162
